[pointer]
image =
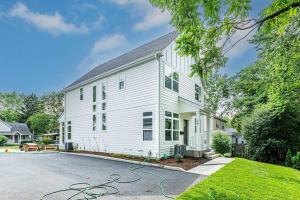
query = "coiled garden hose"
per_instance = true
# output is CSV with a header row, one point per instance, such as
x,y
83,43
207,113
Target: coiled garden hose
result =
x,y
86,191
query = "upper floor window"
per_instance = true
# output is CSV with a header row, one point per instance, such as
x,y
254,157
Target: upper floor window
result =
x,y
197,92
147,126
94,108
171,79
171,126
94,94
103,91
81,93
121,81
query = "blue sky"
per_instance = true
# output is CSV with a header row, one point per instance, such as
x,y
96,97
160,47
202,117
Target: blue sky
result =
x,y
45,45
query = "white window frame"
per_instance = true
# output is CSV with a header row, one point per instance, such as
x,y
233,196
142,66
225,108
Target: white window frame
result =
x,y
197,93
171,78
148,129
94,122
172,130
122,78
103,91
69,131
81,94
104,122
94,94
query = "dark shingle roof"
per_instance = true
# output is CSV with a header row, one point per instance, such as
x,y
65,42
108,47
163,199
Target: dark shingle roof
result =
x,y
140,52
20,127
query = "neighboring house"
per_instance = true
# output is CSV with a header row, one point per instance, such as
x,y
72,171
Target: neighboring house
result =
x,y
15,132
219,124
53,136
141,103
236,138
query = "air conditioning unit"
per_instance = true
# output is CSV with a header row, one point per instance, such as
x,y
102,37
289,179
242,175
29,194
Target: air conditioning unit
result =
x,y
179,149
69,146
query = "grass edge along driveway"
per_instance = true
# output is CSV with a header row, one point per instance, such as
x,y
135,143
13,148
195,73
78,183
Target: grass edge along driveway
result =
x,y
245,179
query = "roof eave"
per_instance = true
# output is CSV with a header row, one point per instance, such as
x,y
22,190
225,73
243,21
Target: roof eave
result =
x,y
116,70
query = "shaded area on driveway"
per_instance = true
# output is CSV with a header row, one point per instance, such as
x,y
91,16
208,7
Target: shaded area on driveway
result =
x,y
29,176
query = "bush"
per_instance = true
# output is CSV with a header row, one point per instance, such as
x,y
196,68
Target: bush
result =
x,y
3,140
267,131
221,142
288,159
178,157
47,141
296,161
227,155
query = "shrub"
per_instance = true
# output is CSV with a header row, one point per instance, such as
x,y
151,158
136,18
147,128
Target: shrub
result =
x,y
46,141
296,161
268,130
178,157
221,142
288,159
227,155
3,140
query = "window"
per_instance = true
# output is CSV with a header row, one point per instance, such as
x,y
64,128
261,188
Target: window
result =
x,y
103,91
103,106
63,132
94,94
147,126
81,93
197,92
171,79
103,121
94,122
69,130
171,126
94,108
122,82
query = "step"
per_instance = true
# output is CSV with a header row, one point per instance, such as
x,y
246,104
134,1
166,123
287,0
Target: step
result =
x,y
213,156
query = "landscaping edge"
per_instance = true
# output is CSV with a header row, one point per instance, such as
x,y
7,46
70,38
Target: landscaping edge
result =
x,y
128,161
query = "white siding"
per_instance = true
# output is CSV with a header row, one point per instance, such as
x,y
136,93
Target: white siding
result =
x,y
124,112
169,98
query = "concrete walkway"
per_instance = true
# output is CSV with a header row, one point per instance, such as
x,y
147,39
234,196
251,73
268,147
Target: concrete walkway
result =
x,y
211,167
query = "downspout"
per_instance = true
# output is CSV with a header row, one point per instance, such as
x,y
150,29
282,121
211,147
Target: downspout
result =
x,y
158,55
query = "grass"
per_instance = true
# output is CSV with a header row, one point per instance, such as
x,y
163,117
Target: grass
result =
x,y
10,146
247,180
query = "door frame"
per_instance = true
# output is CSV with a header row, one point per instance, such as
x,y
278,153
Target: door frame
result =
x,y
186,132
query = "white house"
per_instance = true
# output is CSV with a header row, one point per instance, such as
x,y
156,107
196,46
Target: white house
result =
x,y
15,132
141,103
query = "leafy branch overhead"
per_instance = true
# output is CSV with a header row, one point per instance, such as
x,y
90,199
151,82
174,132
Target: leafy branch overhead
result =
x,y
206,27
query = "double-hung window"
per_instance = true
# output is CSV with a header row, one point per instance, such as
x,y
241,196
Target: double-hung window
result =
x,y
63,132
103,91
171,79
94,122
69,130
81,94
171,126
94,94
147,126
103,121
197,92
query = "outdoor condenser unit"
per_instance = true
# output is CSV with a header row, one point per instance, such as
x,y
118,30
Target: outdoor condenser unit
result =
x,y
69,146
179,149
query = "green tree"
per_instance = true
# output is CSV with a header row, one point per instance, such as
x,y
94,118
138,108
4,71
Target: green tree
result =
x,y
31,105
41,123
53,103
203,25
9,115
10,101
221,142
3,140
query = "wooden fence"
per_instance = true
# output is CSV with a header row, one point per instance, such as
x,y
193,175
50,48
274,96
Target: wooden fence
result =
x,y
239,150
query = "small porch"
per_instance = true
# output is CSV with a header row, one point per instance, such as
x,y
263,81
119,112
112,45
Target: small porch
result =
x,y
17,138
195,128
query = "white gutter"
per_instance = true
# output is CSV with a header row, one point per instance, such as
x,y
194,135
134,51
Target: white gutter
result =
x,y
110,72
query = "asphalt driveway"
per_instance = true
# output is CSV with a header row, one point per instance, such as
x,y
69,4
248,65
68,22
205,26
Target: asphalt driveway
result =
x,y
29,176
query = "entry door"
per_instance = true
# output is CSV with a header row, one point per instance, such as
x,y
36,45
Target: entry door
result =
x,y
186,132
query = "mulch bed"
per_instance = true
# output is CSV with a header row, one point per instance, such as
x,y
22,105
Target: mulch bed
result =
x,y
187,162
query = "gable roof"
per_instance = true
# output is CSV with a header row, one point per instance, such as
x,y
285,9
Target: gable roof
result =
x,y
20,127
147,49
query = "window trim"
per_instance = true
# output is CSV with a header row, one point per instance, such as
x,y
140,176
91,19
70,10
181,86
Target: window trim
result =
x,y
81,94
94,94
172,77
94,122
69,131
148,129
122,78
172,118
197,93
104,125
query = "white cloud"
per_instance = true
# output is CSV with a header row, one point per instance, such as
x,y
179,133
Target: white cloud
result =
x,y
54,24
103,49
109,43
151,17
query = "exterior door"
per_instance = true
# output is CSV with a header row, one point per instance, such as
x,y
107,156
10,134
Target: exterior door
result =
x,y
186,132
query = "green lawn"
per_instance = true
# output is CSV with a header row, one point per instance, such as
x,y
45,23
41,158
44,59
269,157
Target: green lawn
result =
x,y
245,179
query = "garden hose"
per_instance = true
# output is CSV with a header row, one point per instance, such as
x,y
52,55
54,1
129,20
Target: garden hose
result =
x,y
86,191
